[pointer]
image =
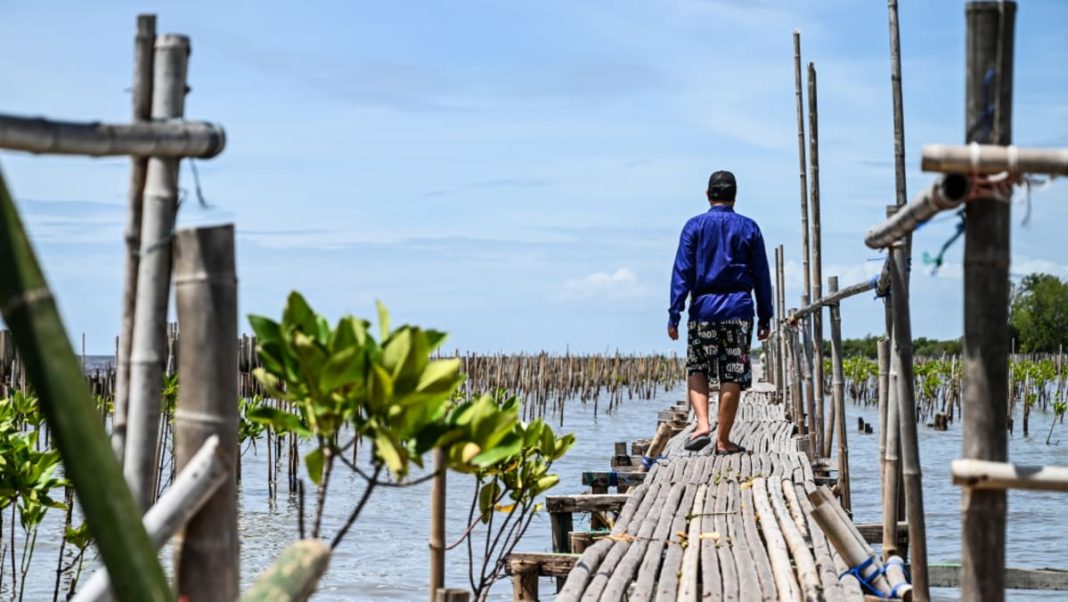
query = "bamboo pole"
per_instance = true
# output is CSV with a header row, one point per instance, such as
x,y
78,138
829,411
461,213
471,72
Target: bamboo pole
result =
x,y
986,300
805,252
29,310
207,563
824,447
851,548
809,383
910,449
833,299
142,111
193,486
148,353
780,295
982,474
946,193
799,410
437,525
992,159
883,386
891,462
838,399
173,139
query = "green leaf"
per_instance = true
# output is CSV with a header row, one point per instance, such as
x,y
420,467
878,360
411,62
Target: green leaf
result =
x,y
267,330
396,350
383,320
381,387
486,498
298,314
387,451
548,482
343,369
314,462
508,447
283,422
440,377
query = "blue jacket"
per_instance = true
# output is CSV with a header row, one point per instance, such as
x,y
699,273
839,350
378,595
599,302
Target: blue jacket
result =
x,y
721,261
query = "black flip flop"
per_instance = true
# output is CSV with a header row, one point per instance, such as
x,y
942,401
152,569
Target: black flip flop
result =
x,y
698,443
738,449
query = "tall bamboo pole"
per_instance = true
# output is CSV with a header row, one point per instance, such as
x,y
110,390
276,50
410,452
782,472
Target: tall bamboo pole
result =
x,y
817,263
883,388
805,253
148,353
142,110
804,327
47,356
891,463
986,300
838,398
437,525
207,564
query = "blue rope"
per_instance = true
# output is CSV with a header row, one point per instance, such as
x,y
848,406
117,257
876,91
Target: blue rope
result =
x,y
647,462
866,584
937,261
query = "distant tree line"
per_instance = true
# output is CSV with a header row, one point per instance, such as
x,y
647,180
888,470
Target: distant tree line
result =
x,y
868,347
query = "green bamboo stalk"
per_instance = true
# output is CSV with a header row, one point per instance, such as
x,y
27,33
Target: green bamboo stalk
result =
x,y
30,313
294,576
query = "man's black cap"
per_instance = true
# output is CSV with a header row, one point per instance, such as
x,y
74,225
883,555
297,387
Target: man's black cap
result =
x,y
722,186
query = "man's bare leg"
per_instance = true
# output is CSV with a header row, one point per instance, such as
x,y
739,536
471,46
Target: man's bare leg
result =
x,y
729,394
697,386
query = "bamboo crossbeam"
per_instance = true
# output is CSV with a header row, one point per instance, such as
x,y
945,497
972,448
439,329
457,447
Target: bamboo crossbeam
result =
x,y
197,482
992,159
835,298
172,139
983,474
947,193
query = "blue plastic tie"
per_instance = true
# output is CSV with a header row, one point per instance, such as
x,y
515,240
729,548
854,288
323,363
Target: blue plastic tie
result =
x,y
866,584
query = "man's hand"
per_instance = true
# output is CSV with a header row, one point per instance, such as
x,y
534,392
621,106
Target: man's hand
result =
x,y
763,332
673,332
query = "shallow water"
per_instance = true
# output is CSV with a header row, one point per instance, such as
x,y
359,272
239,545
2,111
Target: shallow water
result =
x,y
385,555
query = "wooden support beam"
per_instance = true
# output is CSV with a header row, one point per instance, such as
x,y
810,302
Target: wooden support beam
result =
x,y
585,503
948,575
873,532
992,159
613,478
173,139
982,474
544,565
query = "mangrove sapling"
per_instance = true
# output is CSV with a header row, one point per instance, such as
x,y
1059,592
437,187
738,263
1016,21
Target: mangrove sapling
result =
x,y
1059,407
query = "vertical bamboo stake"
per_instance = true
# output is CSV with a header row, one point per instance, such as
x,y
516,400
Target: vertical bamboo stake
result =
x,y
822,446
910,450
883,387
142,110
838,398
806,273
807,374
206,555
891,472
148,352
780,282
986,300
437,525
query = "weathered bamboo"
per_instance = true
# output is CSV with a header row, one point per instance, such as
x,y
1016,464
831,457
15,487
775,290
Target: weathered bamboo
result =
x,y
780,294
778,553
883,384
806,272
437,525
294,576
193,486
900,188
946,193
207,563
817,264
988,111
805,331
30,312
912,474
147,354
982,474
832,299
656,447
895,576
796,384
891,461
142,111
853,552
838,399
978,158
174,139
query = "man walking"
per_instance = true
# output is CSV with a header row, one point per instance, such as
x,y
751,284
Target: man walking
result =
x,y
720,262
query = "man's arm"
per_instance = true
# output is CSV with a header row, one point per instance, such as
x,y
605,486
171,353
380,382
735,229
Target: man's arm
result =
x,y
682,276
761,282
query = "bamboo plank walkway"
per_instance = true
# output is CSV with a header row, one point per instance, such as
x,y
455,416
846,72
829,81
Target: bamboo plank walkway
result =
x,y
719,527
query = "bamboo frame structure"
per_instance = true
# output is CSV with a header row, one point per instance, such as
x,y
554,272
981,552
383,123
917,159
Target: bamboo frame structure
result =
x,y
142,111
30,312
207,559
982,474
147,355
192,487
978,158
174,139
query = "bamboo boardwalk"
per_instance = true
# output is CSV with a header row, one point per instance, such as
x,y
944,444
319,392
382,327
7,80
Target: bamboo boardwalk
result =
x,y
709,527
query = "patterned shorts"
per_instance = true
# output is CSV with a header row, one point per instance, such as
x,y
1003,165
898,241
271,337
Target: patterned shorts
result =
x,y
720,351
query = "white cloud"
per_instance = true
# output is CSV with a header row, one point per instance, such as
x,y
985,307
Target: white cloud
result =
x,y
622,283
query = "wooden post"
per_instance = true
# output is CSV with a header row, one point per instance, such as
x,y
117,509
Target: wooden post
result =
x,y
148,353
451,595
142,110
989,65
437,525
910,450
822,443
838,398
206,555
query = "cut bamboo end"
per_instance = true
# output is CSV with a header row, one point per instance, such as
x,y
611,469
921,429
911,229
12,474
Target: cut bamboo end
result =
x,y
294,576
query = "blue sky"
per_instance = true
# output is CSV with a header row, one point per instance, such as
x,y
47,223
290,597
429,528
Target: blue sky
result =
x,y
515,173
